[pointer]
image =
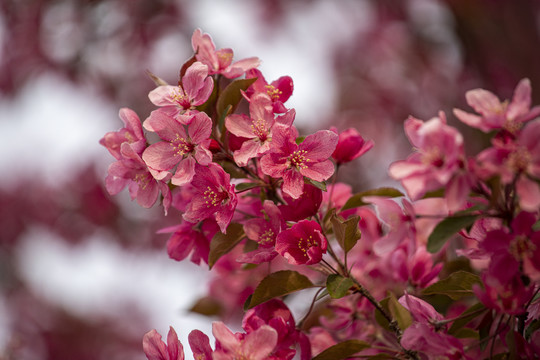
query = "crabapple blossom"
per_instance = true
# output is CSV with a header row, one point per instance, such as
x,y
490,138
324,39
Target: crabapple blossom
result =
x,y
257,128
132,133
132,171
179,147
350,146
255,345
264,231
438,161
494,114
279,90
200,345
304,207
219,61
213,196
292,162
156,349
194,89
518,161
303,243
187,238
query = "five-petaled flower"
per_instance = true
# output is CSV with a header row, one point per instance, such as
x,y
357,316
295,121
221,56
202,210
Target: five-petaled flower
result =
x,y
257,128
292,162
213,195
179,146
303,243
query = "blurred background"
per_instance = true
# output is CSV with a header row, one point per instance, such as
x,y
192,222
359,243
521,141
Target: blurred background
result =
x,y
83,275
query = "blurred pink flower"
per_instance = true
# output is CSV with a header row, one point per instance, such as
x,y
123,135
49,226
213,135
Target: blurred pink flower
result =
x,y
255,345
495,114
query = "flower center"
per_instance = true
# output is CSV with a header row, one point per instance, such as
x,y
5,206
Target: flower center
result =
x,y
180,98
273,92
259,129
519,160
304,245
142,180
182,146
213,198
433,157
299,159
267,237
521,247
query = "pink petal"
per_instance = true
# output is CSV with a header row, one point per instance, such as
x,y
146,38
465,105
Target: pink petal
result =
x,y
200,128
319,171
184,172
483,101
240,125
249,149
320,145
293,183
161,156
472,120
529,194
161,96
521,101
200,345
260,343
154,347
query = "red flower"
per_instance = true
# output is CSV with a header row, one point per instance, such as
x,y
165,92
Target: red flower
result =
x,y
303,243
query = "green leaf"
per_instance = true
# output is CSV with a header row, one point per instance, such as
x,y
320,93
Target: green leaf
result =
x,y
245,186
446,228
342,350
223,243
346,231
466,317
379,317
279,284
338,286
231,95
399,312
206,306
357,199
455,286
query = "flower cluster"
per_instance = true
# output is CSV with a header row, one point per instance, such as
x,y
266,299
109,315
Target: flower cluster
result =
x,y
440,273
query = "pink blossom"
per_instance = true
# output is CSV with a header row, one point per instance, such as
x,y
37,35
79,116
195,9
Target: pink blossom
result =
x,y
132,134
291,162
400,222
255,345
219,61
277,315
279,90
257,128
185,148
194,90
350,146
439,161
156,349
264,231
303,243
495,114
517,161
213,196
187,239
132,171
